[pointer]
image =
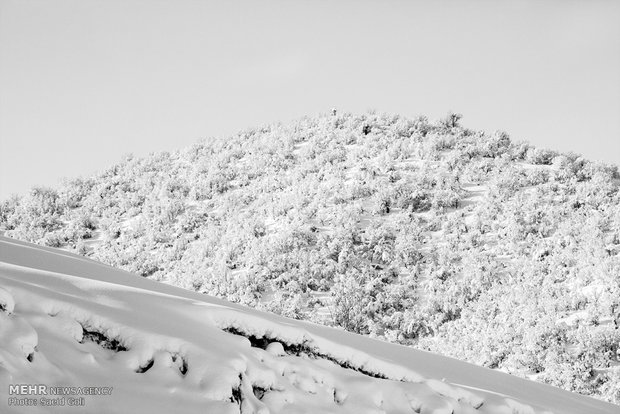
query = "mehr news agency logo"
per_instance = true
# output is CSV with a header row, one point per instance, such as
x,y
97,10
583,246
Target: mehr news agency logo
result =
x,y
46,396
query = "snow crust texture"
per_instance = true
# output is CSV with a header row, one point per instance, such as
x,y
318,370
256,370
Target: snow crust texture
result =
x,y
66,321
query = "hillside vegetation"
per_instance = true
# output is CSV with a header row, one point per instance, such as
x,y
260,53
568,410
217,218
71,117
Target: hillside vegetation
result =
x,y
66,321
426,234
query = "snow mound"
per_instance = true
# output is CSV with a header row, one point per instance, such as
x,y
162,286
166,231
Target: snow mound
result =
x,y
69,322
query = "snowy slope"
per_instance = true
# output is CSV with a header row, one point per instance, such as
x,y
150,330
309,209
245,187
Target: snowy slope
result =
x,y
68,321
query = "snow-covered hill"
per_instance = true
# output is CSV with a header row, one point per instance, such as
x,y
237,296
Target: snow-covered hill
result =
x,y
431,235
67,321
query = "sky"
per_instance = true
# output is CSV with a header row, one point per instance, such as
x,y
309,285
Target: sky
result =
x,y
85,82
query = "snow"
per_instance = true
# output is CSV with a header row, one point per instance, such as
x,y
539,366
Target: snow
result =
x,y
574,318
7,303
68,321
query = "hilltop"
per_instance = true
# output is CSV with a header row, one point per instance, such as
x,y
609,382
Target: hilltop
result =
x,y
424,234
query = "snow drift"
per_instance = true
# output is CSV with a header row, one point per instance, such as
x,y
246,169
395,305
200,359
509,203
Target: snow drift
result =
x,y
112,342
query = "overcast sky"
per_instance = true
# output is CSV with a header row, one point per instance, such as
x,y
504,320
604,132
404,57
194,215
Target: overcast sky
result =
x,y
83,82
